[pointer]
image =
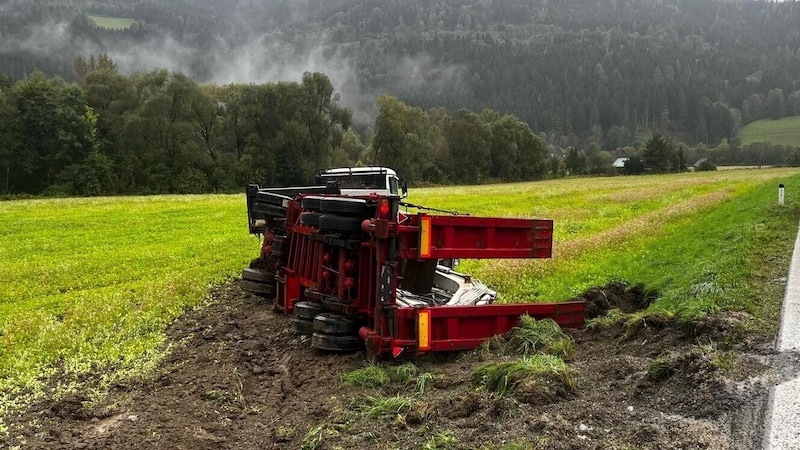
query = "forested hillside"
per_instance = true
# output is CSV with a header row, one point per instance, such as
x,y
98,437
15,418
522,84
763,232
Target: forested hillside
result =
x,y
202,95
580,71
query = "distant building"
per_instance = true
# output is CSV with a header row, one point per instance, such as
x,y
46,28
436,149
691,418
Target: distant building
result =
x,y
619,163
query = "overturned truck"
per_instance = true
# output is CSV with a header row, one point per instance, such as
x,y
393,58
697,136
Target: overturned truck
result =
x,y
357,270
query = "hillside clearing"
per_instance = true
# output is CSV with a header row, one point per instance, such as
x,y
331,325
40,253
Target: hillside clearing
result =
x,y
111,23
785,131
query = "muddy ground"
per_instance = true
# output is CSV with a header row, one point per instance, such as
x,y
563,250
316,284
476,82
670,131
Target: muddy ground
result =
x,y
239,378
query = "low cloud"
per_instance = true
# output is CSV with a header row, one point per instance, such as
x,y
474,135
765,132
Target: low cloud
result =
x,y
258,59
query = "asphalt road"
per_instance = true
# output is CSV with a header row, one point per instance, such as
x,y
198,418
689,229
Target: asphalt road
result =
x,y
782,430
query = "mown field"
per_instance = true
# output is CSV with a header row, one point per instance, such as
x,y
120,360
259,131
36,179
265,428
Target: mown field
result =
x,y
89,285
111,23
785,131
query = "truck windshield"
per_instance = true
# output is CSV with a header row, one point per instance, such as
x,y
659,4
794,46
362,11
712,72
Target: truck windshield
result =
x,y
377,181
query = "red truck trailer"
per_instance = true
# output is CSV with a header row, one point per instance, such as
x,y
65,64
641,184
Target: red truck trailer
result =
x,y
357,270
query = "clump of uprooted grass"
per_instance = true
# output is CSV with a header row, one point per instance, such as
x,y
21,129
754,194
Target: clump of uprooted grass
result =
x,y
378,406
398,389
533,336
535,379
700,359
381,376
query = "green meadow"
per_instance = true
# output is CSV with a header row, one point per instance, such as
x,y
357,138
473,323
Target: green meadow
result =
x,y
705,242
785,131
111,23
88,286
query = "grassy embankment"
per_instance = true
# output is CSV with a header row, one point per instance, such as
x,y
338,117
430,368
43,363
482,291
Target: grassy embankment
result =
x,y
785,131
88,285
111,23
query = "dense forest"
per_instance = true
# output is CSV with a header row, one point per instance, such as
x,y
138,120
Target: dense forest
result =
x,y
519,89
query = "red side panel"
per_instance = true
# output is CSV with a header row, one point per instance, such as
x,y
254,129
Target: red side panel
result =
x,y
447,328
480,237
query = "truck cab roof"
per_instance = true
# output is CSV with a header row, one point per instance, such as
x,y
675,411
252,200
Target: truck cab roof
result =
x,y
361,181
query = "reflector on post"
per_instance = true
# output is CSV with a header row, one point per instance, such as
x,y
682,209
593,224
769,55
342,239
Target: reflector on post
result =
x,y
424,237
424,329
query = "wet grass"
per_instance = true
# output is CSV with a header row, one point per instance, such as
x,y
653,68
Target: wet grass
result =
x,y
707,242
533,336
89,285
502,378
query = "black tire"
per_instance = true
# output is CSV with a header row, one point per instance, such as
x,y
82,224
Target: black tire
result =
x,y
262,289
335,324
277,245
270,198
331,343
344,206
303,326
310,218
266,210
307,310
311,203
330,222
261,276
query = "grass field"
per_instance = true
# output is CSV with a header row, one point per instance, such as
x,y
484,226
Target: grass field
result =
x,y
111,23
687,236
785,131
90,284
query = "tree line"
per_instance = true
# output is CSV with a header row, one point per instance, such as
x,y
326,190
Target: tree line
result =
x,y
161,132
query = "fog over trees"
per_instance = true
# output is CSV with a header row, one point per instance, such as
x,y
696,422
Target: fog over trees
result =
x,y
201,95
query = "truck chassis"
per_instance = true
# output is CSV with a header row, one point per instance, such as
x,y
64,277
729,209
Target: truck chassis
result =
x,y
356,272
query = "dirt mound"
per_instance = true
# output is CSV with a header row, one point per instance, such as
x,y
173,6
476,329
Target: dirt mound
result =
x,y
239,378
615,295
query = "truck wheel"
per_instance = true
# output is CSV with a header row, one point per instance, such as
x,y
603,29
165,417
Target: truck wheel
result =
x,y
261,276
311,203
262,289
264,209
344,206
330,222
310,218
335,324
277,246
303,326
331,343
307,310
271,198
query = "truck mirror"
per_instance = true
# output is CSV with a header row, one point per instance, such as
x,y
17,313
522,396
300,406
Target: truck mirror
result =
x,y
404,187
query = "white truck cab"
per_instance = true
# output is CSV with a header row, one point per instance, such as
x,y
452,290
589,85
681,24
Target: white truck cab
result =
x,y
363,181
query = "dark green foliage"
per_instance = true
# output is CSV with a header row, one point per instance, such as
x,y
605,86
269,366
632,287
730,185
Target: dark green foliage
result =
x,y
660,155
566,69
575,161
159,132
634,166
